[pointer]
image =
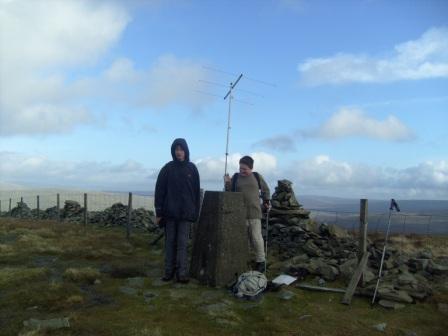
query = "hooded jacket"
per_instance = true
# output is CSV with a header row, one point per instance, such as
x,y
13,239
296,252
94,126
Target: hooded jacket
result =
x,y
177,194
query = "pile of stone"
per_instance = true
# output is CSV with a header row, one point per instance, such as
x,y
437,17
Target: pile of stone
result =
x,y
72,212
329,252
289,224
406,277
22,210
37,214
51,213
144,218
117,215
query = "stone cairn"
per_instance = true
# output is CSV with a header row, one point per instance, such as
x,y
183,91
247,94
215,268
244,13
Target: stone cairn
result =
x,y
117,215
329,252
72,212
22,210
288,221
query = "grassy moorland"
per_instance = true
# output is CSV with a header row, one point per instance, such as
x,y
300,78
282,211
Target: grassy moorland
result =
x,y
106,285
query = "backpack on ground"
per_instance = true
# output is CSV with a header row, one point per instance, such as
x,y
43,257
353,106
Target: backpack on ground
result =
x,y
250,285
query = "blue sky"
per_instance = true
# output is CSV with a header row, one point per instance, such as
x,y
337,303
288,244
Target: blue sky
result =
x,y
346,98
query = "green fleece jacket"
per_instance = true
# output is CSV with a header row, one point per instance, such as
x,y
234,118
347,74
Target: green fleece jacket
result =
x,y
248,185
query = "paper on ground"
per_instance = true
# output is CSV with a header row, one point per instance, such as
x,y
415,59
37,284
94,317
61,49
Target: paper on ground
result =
x,y
284,279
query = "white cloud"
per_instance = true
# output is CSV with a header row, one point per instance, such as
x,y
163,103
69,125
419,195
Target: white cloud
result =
x,y
44,44
319,175
168,81
426,57
323,175
348,122
39,41
121,69
212,169
282,143
40,171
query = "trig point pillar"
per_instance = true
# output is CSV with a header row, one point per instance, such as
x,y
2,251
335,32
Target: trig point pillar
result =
x,y
220,246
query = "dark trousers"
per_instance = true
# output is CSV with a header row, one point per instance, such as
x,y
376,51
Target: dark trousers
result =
x,y
176,240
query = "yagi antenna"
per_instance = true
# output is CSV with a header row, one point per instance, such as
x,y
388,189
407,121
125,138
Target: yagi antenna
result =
x,y
224,85
231,98
233,74
215,95
229,95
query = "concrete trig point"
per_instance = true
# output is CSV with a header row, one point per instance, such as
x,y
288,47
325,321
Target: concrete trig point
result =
x,y
220,246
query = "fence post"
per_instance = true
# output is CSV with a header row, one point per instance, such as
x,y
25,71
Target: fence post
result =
x,y
428,229
10,207
85,209
0,207
363,212
21,199
128,226
58,207
363,228
38,206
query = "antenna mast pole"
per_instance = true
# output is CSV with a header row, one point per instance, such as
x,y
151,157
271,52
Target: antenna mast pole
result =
x,y
229,94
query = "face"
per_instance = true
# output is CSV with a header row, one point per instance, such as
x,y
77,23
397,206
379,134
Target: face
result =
x,y
245,170
179,153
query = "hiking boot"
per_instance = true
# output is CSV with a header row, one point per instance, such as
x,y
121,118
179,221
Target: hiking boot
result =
x,y
168,277
183,279
260,266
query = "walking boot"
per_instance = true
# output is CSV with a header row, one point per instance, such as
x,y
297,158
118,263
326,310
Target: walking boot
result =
x,y
168,277
260,266
183,279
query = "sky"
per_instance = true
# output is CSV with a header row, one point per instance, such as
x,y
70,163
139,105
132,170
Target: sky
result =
x,y
343,98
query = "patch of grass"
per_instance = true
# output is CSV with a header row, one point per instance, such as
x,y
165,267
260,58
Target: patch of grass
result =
x,y
16,276
33,243
73,257
86,274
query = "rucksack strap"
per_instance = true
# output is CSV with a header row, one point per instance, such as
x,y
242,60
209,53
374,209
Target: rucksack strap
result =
x,y
235,178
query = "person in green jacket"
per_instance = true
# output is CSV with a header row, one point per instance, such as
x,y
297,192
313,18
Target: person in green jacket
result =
x,y
253,186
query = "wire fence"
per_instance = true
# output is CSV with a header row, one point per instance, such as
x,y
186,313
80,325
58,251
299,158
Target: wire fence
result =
x,y
104,209
400,223
112,208
96,201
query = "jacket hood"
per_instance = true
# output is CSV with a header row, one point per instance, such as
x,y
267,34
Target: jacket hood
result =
x,y
182,143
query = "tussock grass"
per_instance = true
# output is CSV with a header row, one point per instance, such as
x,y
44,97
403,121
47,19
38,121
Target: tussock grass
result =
x,y
86,274
73,257
16,276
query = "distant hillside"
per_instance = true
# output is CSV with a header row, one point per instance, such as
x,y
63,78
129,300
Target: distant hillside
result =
x,y
435,207
416,216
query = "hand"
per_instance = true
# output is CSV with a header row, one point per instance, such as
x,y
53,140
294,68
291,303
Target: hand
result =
x,y
267,205
159,221
227,178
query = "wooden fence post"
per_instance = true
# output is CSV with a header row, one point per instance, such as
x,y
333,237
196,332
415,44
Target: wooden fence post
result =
x,y
363,222
38,206
10,206
363,212
128,226
85,209
58,207
357,275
